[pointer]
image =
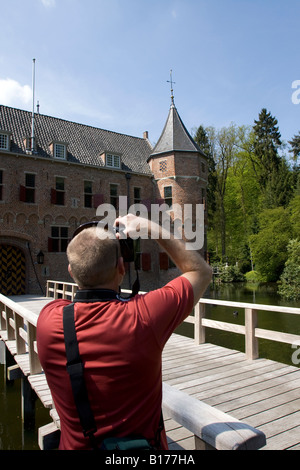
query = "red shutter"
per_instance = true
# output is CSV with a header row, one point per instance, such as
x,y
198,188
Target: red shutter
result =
x,y
22,193
146,261
160,201
147,204
98,199
163,261
53,196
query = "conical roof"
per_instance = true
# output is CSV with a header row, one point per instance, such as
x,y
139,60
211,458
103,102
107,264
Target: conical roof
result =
x,y
175,136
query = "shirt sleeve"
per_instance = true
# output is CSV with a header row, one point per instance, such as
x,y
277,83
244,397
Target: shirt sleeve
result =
x,y
166,308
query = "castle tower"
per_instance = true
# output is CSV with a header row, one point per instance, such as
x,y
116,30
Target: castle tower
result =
x,y
179,167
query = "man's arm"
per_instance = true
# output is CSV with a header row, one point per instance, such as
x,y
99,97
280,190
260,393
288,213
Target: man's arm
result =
x,y
190,262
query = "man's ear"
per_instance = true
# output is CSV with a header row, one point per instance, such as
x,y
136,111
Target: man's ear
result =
x,y
70,272
121,266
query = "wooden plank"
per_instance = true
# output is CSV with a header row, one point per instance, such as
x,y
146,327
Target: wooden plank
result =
x,y
265,384
273,414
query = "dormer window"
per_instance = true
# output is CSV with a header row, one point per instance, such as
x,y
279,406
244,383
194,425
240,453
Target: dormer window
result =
x,y
59,150
113,161
4,140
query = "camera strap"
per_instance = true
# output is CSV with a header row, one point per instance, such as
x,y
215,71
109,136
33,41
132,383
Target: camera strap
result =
x,y
75,370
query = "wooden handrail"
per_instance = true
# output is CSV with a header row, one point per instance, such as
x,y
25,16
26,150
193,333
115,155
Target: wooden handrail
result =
x,y
250,330
210,426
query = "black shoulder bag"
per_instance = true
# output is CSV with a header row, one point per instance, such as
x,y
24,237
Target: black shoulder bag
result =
x,y
75,369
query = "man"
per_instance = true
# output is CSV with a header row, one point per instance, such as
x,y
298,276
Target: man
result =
x,y
120,342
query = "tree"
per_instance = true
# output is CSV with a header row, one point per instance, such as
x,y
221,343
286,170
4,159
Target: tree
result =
x,y
202,140
266,143
269,245
223,146
295,144
289,284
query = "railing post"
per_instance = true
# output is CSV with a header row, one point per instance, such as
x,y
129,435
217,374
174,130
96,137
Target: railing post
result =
x,y
2,319
251,342
9,328
199,329
34,363
20,343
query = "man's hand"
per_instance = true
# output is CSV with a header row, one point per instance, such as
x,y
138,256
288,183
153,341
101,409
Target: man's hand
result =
x,y
190,262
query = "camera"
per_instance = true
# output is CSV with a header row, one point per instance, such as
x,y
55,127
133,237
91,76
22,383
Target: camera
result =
x,y
126,245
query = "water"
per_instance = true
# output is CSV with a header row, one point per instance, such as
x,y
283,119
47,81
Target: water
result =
x,y
251,293
14,437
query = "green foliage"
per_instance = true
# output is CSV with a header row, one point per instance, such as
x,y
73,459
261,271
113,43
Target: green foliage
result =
x,y
253,198
230,274
289,284
269,245
253,276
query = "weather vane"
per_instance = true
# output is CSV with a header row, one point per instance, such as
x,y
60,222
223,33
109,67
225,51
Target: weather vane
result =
x,y
171,82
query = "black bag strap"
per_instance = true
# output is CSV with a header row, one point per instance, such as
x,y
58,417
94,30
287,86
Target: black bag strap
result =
x,y
75,370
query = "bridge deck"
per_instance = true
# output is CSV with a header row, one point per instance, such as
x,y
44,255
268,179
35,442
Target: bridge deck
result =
x,y
262,393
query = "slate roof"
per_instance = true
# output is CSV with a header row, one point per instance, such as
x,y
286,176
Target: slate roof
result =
x,y
85,143
175,136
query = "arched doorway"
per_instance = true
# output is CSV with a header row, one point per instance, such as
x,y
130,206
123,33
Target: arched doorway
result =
x,y
12,270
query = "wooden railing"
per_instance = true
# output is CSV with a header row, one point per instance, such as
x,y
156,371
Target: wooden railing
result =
x,y
18,329
250,329
211,427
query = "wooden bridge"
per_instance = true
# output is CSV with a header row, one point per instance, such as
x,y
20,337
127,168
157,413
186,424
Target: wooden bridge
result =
x,y
214,397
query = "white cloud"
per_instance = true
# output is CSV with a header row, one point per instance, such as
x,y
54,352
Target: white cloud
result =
x,y
48,3
14,94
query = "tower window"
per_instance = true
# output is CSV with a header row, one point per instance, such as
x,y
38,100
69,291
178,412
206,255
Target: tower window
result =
x,y
163,165
168,195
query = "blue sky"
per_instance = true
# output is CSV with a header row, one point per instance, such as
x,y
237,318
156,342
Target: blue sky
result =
x,y
106,62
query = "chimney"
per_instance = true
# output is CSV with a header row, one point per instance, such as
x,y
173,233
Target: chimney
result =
x,y
145,135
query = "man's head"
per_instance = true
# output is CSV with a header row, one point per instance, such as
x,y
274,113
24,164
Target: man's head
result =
x,y
94,260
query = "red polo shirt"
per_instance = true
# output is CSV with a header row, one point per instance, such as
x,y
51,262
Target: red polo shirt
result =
x,y
120,343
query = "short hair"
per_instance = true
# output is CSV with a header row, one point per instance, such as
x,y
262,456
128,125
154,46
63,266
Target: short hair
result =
x,y
93,258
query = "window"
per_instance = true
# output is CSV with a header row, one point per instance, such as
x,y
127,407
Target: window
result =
x,y
60,190
88,193
58,194
113,161
4,142
114,195
58,241
136,195
60,151
163,165
1,185
27,192
168,195
29,187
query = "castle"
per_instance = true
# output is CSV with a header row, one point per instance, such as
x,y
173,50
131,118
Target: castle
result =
x,y
53,180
